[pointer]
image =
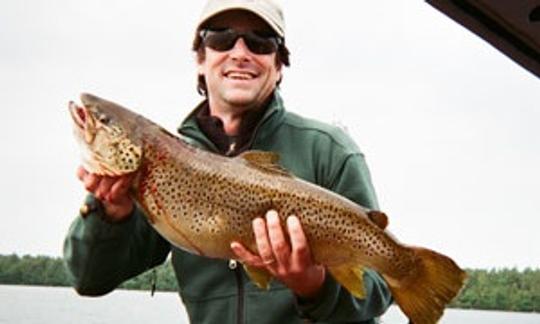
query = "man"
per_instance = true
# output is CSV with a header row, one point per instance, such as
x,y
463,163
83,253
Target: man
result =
x,y
240,48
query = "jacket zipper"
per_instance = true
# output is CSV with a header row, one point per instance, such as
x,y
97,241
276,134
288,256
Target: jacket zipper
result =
x,y
233,265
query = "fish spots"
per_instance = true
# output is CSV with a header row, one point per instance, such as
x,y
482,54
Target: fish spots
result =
x,y
194,205
212,203
127,156
196,224
331,223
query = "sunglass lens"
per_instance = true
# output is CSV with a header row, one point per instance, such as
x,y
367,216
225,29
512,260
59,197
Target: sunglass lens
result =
x,y
224,40
220,40
260,45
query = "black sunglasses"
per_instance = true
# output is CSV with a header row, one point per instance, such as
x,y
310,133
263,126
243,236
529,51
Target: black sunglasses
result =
x,y
224,40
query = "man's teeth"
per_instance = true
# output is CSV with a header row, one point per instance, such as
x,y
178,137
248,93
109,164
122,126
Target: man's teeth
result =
x,y
240,75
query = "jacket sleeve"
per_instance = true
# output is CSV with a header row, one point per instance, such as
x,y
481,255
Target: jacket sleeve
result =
x,y
99,256
334,303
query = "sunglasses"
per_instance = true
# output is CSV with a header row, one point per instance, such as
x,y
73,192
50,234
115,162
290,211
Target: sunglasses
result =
x,y
223,40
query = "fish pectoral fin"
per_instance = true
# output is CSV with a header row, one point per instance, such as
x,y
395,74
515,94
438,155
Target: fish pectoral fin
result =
x,y
260,277
379,218
265,161
350,277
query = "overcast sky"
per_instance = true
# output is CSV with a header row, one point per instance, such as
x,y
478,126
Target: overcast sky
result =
x,y
448,124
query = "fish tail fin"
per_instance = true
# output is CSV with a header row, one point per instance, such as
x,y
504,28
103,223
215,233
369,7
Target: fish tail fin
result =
x,y
423,294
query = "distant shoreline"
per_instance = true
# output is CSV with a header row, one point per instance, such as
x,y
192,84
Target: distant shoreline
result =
x,y
509,290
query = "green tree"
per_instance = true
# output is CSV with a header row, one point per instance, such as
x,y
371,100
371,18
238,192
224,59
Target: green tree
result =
x,y
501,289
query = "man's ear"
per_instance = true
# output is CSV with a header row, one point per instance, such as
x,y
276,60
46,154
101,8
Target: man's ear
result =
x,y
279,69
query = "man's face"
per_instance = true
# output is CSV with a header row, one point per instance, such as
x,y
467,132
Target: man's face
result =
x,y
238,78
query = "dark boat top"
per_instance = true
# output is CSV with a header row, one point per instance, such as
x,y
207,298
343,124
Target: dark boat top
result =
x,y
511,26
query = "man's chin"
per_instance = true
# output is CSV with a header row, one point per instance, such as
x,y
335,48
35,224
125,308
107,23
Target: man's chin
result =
x,y
241,100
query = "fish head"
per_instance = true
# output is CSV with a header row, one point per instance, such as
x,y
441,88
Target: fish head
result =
x,y
109,136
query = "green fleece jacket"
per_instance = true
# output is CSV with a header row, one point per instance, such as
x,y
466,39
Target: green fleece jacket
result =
x,y
100,255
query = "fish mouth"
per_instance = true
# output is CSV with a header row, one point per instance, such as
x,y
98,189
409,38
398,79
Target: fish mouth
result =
x,y
83,122
78,114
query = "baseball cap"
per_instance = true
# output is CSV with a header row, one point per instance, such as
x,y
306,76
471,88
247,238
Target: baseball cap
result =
x,y
268,10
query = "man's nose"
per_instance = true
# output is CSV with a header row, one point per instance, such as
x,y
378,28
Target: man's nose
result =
x,y
240,49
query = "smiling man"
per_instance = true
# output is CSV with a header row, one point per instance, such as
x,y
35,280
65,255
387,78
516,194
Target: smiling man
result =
x,y
238,80
241,53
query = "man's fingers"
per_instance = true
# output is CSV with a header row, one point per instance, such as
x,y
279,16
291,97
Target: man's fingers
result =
x,y
120,188
81,173
91,182
245,256
263,243
301,254
104,188
280,246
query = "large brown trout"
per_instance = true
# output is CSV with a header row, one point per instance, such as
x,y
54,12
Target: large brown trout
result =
x,y
201,202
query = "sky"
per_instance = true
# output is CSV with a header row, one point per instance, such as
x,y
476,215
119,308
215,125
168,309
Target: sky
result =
x,y
447,123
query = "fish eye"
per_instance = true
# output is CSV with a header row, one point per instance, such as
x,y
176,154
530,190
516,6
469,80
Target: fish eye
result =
x,y
104,119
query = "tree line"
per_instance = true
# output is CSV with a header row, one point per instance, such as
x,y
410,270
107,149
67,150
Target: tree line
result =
x,y
495,289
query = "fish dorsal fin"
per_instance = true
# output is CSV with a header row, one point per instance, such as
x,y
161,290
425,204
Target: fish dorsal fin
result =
x,y
265,161
350,277
379,218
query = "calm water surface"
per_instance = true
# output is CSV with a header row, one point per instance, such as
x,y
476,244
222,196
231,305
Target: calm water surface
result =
x,y
33,305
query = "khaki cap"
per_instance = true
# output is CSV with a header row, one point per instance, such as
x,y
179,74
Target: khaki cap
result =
x,y
268,10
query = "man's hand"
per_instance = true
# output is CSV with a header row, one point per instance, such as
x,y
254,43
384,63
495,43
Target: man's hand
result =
x,y
291,263
113,192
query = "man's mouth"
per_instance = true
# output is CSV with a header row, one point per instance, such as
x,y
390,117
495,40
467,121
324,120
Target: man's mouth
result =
x,y
240,75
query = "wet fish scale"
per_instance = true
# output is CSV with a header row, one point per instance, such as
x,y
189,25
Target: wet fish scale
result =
x,y
223,207
218,208
201,202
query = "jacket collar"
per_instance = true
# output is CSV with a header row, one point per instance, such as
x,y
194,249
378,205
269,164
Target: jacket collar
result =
x,y
271,119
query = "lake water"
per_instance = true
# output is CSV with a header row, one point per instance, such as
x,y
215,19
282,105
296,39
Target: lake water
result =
x,y
33,305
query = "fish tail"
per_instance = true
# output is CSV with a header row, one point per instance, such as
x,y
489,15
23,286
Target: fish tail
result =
x,y
423,294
